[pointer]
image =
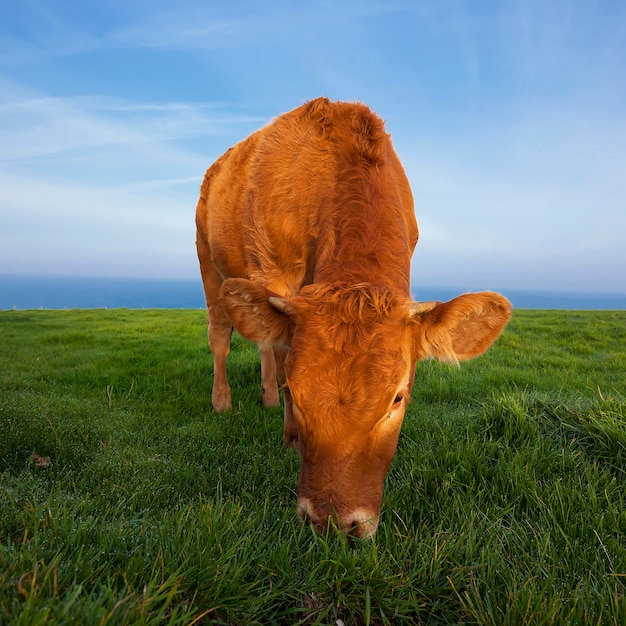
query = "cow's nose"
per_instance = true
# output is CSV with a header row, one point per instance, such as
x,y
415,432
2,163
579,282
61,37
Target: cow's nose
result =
x,y
359,523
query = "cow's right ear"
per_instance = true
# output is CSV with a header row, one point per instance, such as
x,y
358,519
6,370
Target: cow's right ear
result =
x,y
257,313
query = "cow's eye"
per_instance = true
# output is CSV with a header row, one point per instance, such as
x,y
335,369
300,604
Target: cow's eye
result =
x,y
397,400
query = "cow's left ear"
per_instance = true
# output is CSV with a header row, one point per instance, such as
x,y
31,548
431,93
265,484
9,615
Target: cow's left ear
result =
x,y
461,328
254,312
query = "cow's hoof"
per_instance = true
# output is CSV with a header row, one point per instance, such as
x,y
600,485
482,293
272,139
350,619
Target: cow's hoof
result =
x,y
222,404
269,398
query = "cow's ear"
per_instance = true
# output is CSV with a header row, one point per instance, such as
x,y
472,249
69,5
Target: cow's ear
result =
x,y
254,312
461,328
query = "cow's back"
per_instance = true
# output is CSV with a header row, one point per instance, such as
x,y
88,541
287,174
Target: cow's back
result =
x,y
269,206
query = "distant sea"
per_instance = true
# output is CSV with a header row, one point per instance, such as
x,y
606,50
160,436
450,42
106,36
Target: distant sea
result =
x,y
33,292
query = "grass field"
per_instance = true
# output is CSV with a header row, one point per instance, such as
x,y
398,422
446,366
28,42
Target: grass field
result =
x,y
125,500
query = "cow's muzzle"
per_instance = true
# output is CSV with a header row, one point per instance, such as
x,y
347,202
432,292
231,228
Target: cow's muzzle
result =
x,y
360,522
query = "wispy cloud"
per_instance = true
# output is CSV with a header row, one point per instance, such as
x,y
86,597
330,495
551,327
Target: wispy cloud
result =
x,y
34,125
91,229
110,185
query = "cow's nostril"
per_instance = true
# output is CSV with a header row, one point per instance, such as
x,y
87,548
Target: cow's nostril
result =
x,y
362,524
355,529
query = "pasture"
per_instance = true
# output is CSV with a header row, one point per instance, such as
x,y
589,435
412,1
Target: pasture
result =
x,y
124,499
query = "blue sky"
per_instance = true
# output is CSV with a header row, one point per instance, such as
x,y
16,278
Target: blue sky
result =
x,y
509,117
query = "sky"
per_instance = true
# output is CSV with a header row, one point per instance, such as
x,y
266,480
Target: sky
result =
x,y
509,117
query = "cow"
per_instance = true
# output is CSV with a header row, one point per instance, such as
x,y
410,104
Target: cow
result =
x,y
305,232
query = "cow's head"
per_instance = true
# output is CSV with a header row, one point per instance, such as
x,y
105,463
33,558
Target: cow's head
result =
x,y
349,369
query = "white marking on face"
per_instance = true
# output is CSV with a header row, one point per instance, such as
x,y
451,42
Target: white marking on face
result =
x,y
363,523
304,507
360,522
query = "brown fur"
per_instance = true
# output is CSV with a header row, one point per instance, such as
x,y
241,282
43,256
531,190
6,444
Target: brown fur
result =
x,y
305,232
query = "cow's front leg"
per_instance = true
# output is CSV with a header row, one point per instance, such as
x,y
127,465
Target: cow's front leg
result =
x,y
220,331
269,389
220,328
290,428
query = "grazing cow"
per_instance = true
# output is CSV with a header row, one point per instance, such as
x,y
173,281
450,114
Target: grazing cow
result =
x,y
305,232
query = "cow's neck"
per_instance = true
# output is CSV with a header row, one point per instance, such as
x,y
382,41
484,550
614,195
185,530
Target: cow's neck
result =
x,y
366,240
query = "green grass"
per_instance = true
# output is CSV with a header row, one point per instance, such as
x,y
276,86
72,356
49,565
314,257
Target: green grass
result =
x,y
124,499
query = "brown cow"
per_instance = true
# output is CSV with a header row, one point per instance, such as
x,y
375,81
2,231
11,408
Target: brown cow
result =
x,y
305,232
